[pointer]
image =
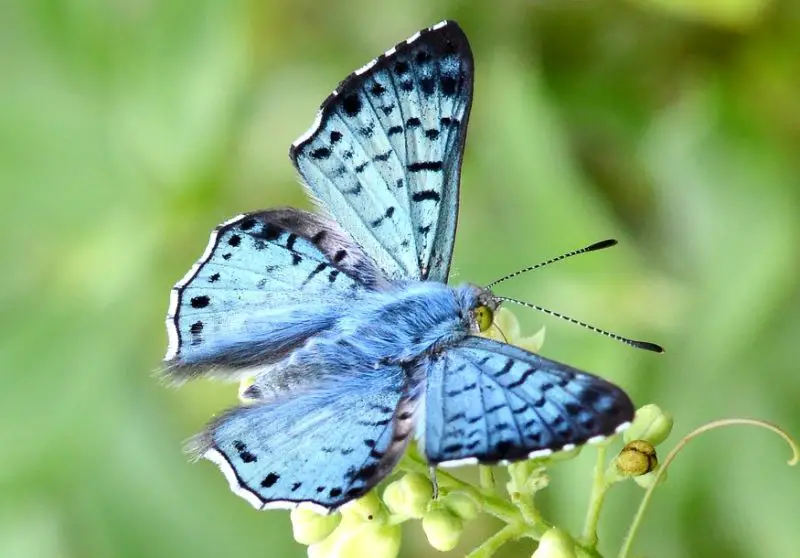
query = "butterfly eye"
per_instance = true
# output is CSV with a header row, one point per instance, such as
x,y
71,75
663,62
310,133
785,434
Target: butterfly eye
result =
x,y
483,317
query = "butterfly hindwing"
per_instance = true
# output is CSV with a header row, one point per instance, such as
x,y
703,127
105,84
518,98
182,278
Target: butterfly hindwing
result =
x,y
326,445
385,156
489,401
267,282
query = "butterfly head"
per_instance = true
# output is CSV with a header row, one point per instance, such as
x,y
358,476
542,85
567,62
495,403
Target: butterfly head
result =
x,y
482,304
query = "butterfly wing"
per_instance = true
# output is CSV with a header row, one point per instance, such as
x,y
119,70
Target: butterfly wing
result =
x,y
384,157
327,445
266,283
488,402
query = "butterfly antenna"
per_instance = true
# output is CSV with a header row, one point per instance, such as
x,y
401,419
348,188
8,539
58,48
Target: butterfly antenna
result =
x,y
632,342
591,248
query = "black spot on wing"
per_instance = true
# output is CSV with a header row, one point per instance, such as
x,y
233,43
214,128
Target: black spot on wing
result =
x,y
335,136
269,232
321,153
247,223
368,130
200,301
351,104
270,480
235,240
435,166
448,85
413,122
394,130
423,195
290,241
214,278
319,237
377,89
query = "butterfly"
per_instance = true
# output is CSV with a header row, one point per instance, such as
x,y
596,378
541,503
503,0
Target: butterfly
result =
x,y
344,318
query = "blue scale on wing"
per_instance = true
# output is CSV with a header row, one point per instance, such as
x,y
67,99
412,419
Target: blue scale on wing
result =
x,y
267,282
326,445
385,155
492,402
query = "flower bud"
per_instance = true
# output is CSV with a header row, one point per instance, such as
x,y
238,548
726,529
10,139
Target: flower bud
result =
x,y
309,527
462,505
363,540
409,496
555,543
636,458
651,424
366,509
646,481
442,528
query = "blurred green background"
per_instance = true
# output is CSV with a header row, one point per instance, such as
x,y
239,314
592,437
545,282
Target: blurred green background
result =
x,y
130,128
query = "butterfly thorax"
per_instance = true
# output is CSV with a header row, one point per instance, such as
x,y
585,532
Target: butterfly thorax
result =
x,y
411,319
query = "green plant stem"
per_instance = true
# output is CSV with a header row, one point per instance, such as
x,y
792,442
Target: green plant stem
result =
x,y
637,520
493,543
596,499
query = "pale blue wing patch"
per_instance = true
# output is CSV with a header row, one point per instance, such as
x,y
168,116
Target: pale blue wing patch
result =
x,y
266,282
491,402
324,446
384,156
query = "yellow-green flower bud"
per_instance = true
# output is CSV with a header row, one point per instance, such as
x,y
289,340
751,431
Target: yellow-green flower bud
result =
x,y
506,328
651,424
409,496
636,458
443,529
646,481
362,540
309,527
393,498
555,543
367,509
462,504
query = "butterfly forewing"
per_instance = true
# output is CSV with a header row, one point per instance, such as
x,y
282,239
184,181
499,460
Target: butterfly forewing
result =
x,y
267,282
385,155
489,402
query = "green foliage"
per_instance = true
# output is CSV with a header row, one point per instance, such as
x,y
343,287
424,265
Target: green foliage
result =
x,y
128,130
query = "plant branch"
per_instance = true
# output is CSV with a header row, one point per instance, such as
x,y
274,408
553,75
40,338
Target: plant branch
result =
x,y
637,520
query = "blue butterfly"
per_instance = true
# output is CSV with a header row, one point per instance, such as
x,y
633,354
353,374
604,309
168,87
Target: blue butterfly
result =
x,y
345,319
